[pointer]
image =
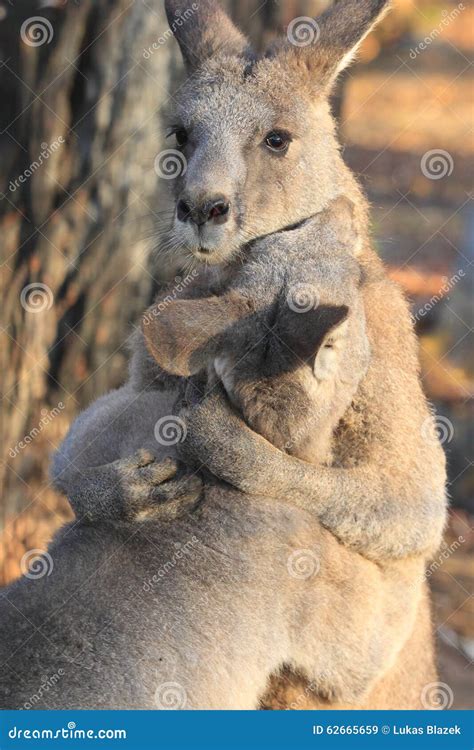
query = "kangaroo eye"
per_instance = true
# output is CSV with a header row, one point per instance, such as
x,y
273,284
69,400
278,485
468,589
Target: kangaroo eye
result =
x,y
181,137
278,141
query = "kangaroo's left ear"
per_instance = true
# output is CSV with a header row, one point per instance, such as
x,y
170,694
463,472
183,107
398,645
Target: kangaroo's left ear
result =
x,y
314,337
183,335
203,29
324,47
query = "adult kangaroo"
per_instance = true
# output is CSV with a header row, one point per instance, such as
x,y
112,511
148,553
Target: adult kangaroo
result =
x,y
94,620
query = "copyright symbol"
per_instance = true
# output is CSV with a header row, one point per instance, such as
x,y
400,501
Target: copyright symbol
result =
x,y
385,730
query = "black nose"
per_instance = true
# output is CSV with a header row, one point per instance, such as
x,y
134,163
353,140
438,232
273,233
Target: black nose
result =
x,y
215,210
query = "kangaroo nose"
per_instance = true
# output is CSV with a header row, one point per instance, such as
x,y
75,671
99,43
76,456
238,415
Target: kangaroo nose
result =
x,y
215,210
218,210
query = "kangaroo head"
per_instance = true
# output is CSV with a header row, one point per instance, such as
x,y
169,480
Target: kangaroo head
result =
x,y
256,134
292,385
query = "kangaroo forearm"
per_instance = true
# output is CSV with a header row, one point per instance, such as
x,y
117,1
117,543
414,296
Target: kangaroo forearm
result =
x,y
96,495
115,426
373,516
113,464
92,440
364,507
370,512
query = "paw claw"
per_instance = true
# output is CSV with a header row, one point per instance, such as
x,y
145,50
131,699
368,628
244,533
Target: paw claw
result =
x,y
144,458
162,471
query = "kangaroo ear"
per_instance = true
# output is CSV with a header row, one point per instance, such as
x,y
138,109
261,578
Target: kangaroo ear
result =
x,y
314,337
203,30
328,44
183,335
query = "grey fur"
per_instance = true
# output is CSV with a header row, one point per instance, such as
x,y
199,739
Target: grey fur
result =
x,y
235,587
252,339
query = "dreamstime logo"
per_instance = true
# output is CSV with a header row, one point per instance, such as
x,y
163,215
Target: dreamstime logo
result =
x,y
303,169
437,429
36,31
36,297
437,696
47,149
46,418
179,286
447,18
308,693
445,553
303,31
170,164
302,298
437,164
303,564
180,553
180,19
36,564
170,696
304,427
46,684
448,285
170,430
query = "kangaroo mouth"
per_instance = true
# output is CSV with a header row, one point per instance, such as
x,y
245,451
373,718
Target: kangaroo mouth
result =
x,y
204,251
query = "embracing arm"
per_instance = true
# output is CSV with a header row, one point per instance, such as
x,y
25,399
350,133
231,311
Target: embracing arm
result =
x,y
111,465
379,512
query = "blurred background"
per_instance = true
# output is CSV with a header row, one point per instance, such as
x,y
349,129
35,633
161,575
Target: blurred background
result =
x,y
84,84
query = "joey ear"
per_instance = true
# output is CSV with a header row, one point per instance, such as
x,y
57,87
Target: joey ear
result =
x,y
183,335
308,336
332,42
203,30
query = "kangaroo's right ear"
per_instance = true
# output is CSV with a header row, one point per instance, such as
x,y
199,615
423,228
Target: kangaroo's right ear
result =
x,y
314,336
203,30
184,335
